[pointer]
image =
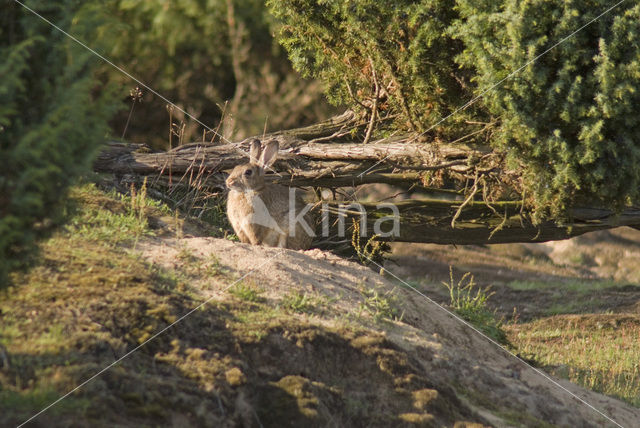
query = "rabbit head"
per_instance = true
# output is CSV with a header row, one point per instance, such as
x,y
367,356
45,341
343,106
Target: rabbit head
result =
x,y
250,176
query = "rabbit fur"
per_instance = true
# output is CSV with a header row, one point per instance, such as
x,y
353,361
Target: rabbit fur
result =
x,y
259,211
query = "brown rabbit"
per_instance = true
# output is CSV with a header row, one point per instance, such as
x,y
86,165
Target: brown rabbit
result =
x,y
262,213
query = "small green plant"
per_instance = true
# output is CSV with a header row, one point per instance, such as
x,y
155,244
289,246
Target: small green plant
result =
x,y
22,404
298,302
138,201
369,250
247,291
186,255
214,267
473,307
380,305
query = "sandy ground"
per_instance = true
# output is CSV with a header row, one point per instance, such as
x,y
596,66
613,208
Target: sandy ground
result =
x,y
463,367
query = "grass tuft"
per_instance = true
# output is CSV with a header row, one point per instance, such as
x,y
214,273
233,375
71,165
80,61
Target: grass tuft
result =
x,y
248,292
380,305
298,302
369,250
473,307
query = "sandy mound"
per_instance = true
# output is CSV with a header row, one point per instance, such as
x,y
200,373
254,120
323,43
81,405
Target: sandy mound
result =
x,y
448,371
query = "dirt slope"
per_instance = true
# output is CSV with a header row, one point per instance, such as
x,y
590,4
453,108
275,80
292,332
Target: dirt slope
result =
x,y
449,372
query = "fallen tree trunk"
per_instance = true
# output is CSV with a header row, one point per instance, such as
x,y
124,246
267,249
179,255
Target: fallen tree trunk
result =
x,y
430,221
321,155
327,155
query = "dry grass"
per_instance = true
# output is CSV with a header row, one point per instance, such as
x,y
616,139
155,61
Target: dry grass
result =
x,y
600,352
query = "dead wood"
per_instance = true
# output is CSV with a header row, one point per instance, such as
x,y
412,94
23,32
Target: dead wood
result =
x,y
331,155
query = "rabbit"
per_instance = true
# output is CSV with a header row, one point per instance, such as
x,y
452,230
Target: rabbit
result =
x,y
259,211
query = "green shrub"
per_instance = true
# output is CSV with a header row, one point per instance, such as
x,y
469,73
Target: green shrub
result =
x,y
52,117
570,118
402,45
568,121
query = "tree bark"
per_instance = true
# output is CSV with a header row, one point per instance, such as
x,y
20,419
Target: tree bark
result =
x,y
429,221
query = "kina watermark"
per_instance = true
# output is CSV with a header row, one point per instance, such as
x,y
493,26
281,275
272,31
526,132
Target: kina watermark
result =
x,y
324,219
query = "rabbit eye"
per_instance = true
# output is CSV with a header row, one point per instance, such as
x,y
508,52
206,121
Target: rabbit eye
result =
x,y
248,173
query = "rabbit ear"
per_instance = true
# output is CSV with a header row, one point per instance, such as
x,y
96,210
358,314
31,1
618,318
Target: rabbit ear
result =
x,y
254,151
269,154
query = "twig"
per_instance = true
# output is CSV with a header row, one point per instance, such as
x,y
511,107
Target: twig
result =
x,y
486,199
356,100
264,130
4,358
222,117
374,108
427,168
500,226
136,95
474,190
487,126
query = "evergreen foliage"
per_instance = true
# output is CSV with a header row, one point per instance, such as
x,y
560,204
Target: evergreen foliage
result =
x,y
53,115
401,46
570,118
